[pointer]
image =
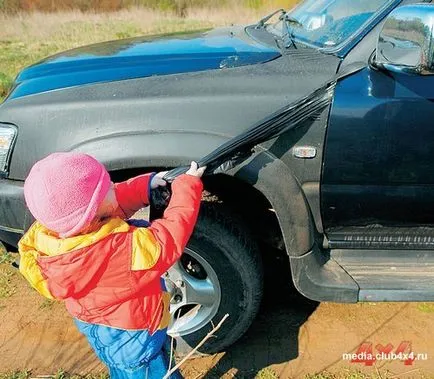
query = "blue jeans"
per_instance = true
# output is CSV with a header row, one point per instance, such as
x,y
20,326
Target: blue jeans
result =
x,y
130,354
155,369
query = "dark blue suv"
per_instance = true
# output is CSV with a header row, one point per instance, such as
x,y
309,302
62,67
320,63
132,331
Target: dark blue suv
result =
x,y
347,197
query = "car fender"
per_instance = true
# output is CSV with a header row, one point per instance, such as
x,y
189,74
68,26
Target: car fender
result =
x,y
122,151
276,182
262,170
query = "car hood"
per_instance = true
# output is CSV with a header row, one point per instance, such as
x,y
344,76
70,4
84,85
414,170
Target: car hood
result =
x,y
143,57
163,120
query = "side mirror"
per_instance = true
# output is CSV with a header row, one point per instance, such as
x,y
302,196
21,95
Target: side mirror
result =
x,y
406,42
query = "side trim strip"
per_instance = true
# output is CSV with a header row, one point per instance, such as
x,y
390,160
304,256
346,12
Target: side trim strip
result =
x,y
11,230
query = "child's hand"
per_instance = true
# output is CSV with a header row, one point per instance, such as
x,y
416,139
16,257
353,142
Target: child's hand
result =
x,y
195,171
158,181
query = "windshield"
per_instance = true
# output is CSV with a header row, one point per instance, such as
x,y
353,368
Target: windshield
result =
x,y
328,23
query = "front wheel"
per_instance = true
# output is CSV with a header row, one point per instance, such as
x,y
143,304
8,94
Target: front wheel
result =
x,y
219,273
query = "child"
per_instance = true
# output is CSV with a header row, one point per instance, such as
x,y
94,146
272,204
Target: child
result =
x,y
106,270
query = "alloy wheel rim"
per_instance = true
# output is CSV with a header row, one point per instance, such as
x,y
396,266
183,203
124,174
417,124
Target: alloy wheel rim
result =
x,y
195,294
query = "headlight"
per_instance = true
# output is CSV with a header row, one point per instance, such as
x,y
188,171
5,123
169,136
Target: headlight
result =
x,y
8,134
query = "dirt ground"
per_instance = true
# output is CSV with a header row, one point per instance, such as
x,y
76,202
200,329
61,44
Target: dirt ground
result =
x,y
290,338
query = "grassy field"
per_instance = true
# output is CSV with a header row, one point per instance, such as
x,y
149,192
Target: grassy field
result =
x,y
27,37
178,6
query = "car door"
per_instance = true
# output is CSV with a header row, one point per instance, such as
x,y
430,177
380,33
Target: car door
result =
x,y
378,170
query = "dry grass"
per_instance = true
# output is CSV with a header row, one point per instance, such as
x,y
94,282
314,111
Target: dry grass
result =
x,y
16,375
178,6
7,285
69,25
426,307
7,274
5,256
266,373
60,374
26,38
350,374
263,374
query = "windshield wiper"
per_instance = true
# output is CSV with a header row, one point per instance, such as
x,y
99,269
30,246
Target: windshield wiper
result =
x,y
262,21
287,20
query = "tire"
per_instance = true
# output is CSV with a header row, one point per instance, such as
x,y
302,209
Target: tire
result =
x,y
231,258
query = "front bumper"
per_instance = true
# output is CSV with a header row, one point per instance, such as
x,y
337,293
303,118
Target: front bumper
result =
x,y
14,216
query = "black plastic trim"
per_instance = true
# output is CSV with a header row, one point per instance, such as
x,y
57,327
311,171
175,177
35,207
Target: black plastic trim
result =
x,y
381,237
10,238
12,207
320,278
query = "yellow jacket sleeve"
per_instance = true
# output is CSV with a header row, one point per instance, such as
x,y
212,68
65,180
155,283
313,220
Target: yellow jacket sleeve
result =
x,y
145,250
30,269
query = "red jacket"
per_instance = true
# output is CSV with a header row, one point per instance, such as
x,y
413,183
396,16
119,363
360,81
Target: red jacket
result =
x,y
112,275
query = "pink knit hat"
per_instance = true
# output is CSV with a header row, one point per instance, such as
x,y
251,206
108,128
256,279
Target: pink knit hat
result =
x,y
64,190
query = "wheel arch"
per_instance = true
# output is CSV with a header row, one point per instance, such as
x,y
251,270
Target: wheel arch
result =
x,y
263,180
275,181
136,150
